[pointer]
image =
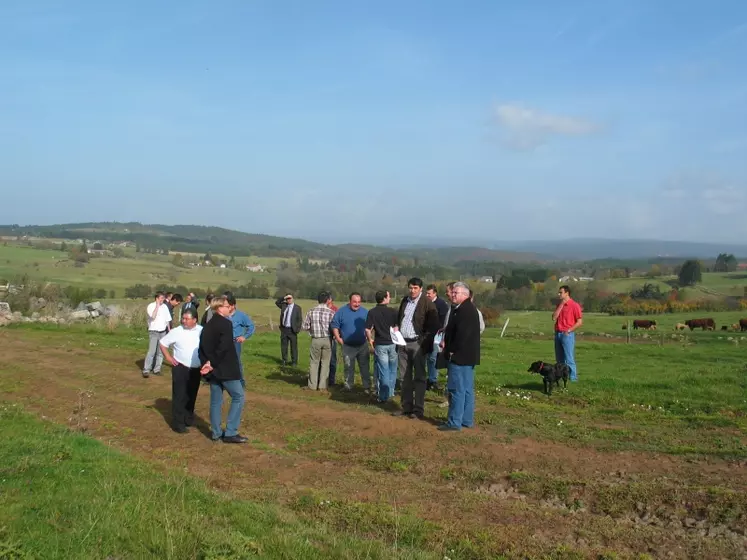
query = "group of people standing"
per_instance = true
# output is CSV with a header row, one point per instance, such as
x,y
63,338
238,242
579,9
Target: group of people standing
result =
x,y
210,351
408,343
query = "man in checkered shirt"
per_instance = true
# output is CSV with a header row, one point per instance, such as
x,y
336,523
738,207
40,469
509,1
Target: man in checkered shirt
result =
x,y
317,322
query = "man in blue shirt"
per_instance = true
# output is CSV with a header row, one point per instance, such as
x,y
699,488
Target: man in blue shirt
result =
x,y
243,328
349,330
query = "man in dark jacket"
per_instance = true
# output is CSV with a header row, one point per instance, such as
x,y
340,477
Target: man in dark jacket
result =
x,y
442,307
220,363
291,318
462,348
417,321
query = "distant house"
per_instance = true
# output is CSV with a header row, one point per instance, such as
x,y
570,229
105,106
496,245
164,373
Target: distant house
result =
x,y
487,279
223,266
575,279
742,266
255,268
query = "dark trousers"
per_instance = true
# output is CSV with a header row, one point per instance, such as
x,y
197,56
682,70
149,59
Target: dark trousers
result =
x,y
412,369
287,335
333,361
185,383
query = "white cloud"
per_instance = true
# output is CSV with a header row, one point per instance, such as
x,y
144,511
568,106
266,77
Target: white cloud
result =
x,y
528,128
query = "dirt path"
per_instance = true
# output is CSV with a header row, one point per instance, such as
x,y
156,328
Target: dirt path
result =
x,y
301,444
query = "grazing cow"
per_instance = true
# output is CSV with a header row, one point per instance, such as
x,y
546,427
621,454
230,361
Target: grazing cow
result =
x,y
644,324
705,324
724,327
680,327
743,325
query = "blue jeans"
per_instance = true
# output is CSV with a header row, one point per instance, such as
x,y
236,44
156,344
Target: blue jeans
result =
x,y
236,391
237,345
385,369
461,387
565,345
432,371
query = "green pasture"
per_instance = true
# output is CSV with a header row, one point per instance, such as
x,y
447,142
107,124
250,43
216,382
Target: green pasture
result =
x,y
115,274
683,395
65,495
713,283
531,322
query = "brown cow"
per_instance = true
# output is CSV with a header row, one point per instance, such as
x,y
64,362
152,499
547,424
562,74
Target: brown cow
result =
x,y
743,325
705,324
644,324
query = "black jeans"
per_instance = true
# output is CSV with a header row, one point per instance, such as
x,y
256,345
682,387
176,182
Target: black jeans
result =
x,y
185,383
287,335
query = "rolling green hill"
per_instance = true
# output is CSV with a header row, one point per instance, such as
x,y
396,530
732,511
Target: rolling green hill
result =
x,y
195,239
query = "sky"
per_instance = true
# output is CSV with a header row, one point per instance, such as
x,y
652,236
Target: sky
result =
x,y
367,121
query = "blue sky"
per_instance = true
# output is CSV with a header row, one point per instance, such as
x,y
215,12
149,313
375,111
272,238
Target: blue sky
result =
x,y
352,121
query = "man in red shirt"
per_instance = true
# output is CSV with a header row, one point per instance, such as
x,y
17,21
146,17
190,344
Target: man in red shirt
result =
x,y
567,317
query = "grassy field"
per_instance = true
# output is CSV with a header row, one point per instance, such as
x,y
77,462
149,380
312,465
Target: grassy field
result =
x,y
644,457
521,323
714,283
66,495
115,274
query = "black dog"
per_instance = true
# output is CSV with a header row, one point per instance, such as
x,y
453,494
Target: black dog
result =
x,y
550,373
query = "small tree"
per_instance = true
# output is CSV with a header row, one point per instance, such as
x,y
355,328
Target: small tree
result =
x,y
691,273
725,263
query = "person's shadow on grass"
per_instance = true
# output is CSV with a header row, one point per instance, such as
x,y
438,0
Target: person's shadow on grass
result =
x,y
163,406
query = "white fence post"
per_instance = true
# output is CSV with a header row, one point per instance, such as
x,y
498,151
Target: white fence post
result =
x,y
504,326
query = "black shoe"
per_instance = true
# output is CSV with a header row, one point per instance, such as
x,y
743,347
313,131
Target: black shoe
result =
x,y
235,439
416,415
402,413
180,430
447,428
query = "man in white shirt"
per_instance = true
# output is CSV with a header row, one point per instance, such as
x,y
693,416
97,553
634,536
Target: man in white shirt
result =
x,y
185,369
159,317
